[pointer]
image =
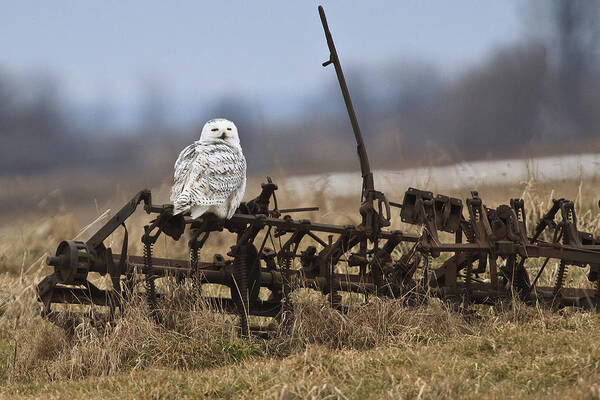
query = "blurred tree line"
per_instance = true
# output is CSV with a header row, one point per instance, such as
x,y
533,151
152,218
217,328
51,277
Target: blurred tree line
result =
x,y
539,95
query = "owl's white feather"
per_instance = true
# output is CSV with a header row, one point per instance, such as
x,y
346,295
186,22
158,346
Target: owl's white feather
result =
x,y
210,174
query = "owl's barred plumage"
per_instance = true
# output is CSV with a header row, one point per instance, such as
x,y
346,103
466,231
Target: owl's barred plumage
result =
x,y
210,174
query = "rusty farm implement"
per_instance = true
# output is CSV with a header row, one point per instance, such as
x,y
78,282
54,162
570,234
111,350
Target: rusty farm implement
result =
x,y
485,263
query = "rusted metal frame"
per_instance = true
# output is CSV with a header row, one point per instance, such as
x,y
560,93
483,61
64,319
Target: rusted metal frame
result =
x,y
477,216
485,294
448,213
557,237
576,297
113,223
115,299
571,255
329,257
571,234
360,258
298,209
449,270
382,258
571,251
248,235
290,225
293,240
88,295
260,204
547,220
316,238
93,295
195,245
286,254
365,169
339,284
483,233
575,255
149,239
243,273
410,211
510,227
204,228
518,205
427,216
372,219
215,273
331,254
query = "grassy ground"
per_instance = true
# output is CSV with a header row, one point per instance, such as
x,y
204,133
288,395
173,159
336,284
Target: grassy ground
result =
x,y
375,351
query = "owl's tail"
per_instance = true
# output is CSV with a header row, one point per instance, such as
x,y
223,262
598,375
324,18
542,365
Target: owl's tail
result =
x,y
197,211
180,206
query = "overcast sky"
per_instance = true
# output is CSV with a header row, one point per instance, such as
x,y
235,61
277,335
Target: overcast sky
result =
x,y
267,50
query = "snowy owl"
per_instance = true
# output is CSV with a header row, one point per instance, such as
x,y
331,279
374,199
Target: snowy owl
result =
x,y
210,174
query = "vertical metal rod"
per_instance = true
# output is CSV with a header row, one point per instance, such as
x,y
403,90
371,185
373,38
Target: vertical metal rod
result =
x,y
365,168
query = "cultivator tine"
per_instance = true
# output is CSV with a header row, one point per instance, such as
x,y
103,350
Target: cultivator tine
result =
x,y
597,296
240,288
195,245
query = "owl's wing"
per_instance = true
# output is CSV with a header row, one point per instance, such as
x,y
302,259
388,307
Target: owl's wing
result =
x,y
207,174
238,182
226,176
190,165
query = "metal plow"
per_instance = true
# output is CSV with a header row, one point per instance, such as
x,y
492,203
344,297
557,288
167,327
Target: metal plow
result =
x,y
486,263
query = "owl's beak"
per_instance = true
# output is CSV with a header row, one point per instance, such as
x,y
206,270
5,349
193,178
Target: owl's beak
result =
x,y
223,135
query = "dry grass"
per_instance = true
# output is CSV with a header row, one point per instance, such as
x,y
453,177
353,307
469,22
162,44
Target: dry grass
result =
x,y
378,350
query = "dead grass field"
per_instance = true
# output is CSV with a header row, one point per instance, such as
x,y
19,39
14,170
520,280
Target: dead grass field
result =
x,y
379,350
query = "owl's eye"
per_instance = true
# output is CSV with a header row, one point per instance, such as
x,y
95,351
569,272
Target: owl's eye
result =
x,y
214,129
228,129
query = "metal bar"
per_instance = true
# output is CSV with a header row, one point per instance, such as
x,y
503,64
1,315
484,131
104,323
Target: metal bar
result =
x,y
300,209
216,273
571,255
539,274
119,218
365,168
291,225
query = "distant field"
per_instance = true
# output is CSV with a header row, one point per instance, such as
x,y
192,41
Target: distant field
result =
x,y
466,175
381,350
87,193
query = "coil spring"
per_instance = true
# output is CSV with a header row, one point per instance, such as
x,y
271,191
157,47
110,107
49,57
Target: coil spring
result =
x,y
149,283
597,299
287,307
336,299
194,256
468,287
286,264
241,279
334,295
426,267
560,278
469,232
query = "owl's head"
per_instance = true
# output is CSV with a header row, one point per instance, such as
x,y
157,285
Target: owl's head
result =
x,y
220,128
